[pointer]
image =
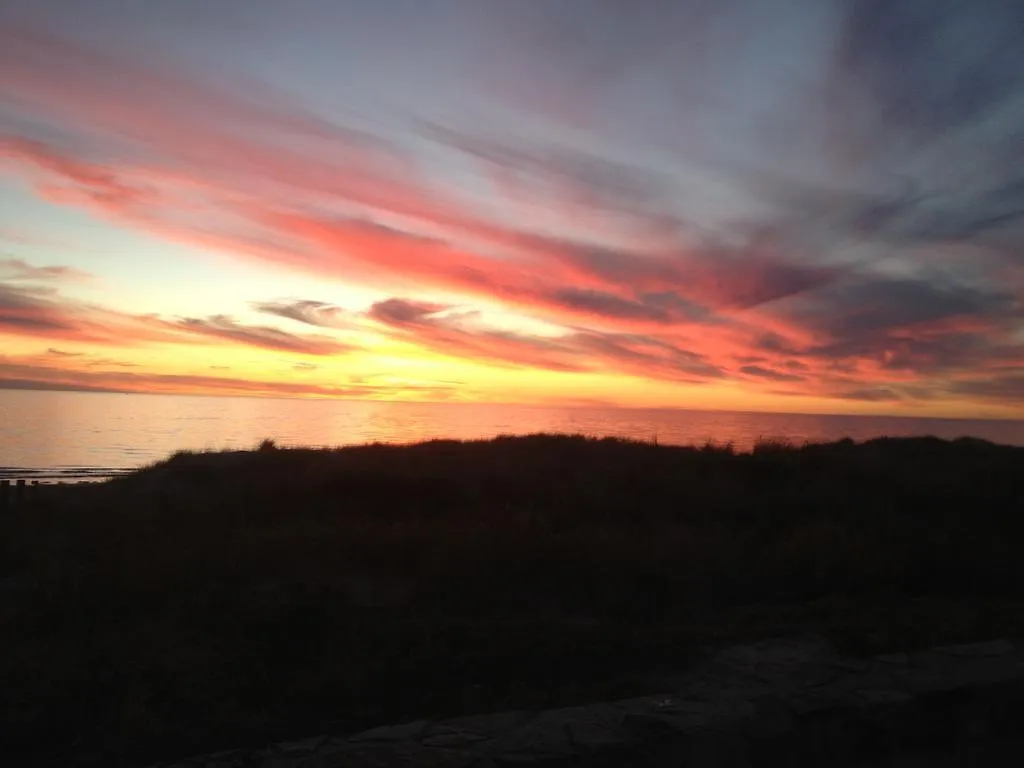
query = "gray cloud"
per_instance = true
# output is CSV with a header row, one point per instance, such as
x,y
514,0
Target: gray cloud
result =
x,y
570,174
1001,388
649,356
30,309
906,325
20,375
694,281
766,373
18,269
582,350
50,386
869,394
266,337
865,306
454,331
310,312
404,312
934,65
608,305
806,169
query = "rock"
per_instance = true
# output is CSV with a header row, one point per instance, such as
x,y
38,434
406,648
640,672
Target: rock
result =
x,y
393,733
1000,647
770,703
306,746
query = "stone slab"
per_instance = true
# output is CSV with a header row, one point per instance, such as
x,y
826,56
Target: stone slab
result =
x,y
780,702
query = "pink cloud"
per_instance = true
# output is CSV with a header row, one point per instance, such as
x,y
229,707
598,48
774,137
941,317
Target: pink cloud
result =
x,y
20,270
30,374
215,166
559,284
33,311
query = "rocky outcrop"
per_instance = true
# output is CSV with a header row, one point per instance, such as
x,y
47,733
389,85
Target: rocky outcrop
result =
x,y
777,703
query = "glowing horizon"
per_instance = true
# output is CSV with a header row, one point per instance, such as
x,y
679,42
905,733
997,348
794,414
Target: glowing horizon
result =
x,y
797,210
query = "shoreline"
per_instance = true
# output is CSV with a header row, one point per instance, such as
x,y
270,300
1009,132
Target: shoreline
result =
x,y
94,473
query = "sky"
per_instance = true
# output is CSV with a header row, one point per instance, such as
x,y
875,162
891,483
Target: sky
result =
x,y
794,205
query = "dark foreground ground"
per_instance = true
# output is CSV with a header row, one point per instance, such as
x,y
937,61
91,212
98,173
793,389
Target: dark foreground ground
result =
x,y
217,600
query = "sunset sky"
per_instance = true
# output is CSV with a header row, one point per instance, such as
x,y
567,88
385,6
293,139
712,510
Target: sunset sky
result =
x,y
794,205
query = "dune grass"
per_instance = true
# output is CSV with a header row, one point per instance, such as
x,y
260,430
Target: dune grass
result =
x,y
218,599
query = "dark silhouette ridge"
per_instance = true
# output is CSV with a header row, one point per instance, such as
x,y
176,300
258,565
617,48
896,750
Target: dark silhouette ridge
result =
x,y
219,599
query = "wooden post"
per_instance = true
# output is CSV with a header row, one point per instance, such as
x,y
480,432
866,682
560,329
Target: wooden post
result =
x,y
5,495
20,490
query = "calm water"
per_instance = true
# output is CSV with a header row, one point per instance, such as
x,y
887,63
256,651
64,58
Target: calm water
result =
x,y
80,434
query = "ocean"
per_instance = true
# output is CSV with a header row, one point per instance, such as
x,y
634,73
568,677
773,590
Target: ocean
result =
x,y
83,435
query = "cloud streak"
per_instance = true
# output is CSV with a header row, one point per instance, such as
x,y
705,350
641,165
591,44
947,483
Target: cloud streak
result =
x,y
675,201
15,374
223,327
306,311
18,270
34,311
458,333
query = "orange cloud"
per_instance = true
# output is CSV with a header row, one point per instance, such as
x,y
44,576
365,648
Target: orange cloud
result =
x,y
266,337
18,270
213,165
15,374
33,311
453,332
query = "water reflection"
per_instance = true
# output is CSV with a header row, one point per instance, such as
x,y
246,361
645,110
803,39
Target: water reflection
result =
x,y
62,431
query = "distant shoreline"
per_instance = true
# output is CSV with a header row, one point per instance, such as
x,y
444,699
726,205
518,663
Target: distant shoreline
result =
x,y
70,475
77,474
47,432
553,405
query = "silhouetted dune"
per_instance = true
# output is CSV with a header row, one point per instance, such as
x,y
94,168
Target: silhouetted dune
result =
x,y
236,597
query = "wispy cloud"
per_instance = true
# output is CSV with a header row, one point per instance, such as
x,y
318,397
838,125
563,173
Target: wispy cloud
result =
x,y
266,337
824,199
16,374
41,311
29,310
19,270
62,353
316,313
766,373
456,332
